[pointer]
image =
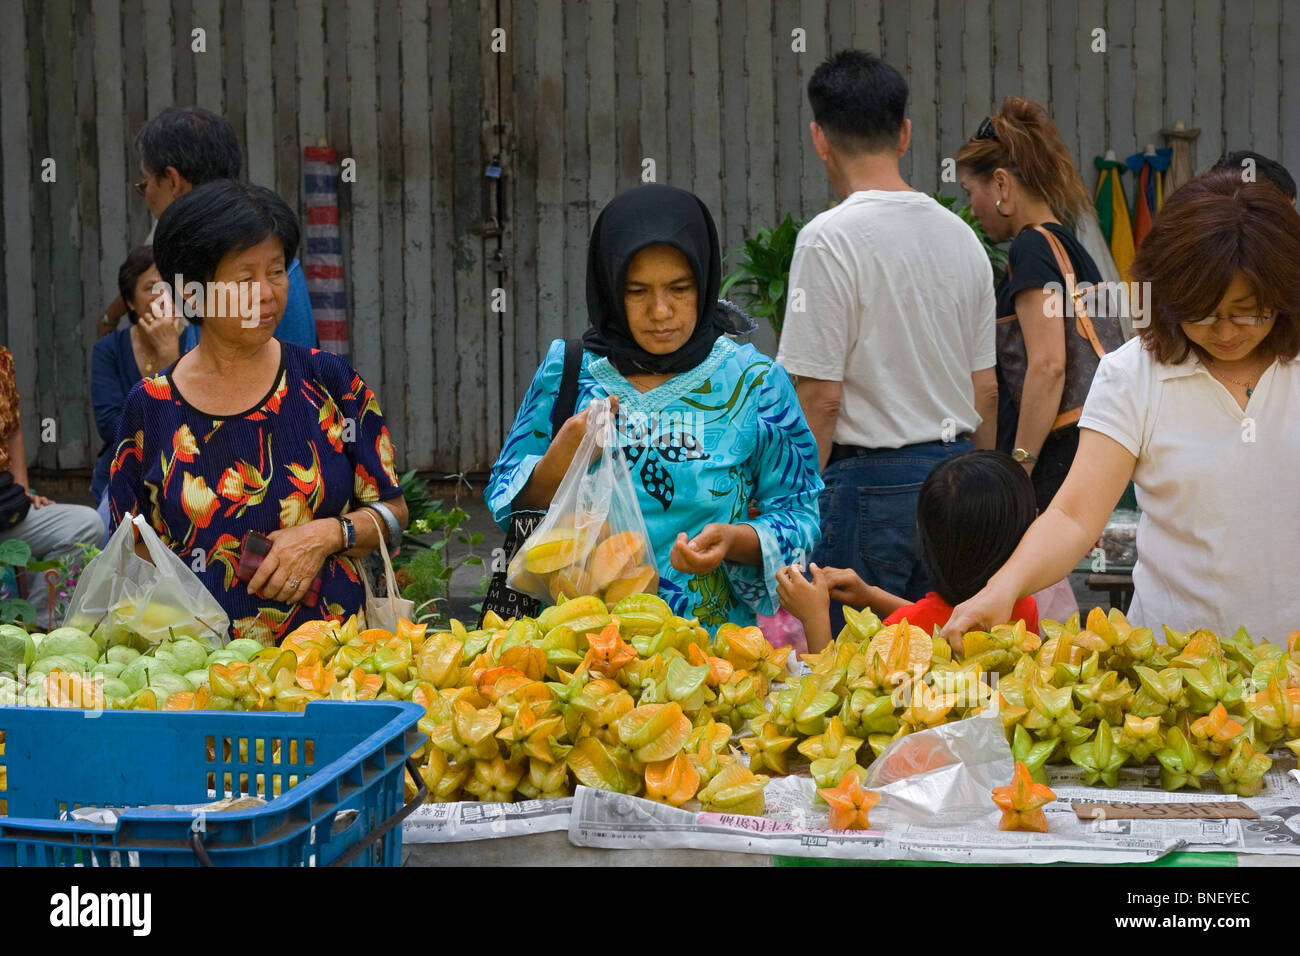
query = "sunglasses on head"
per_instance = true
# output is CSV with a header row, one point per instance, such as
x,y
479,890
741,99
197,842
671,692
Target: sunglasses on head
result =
x,y
986,130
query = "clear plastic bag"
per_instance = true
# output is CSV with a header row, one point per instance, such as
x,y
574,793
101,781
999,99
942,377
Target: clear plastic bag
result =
x,y
593,539
131,600
944,776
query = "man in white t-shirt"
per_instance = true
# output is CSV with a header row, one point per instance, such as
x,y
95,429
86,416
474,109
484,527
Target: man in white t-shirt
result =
x,y
889,328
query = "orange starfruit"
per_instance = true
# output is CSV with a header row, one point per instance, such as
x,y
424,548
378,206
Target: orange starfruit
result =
x,y
1021,802
607,652
849,803
672,781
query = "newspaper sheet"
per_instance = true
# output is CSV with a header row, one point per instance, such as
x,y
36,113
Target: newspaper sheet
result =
x,y
470,820
795,825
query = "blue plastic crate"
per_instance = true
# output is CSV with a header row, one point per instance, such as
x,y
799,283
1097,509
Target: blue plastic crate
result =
x,y
348,757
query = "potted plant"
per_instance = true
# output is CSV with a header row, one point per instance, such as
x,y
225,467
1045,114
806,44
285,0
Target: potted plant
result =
x,y
762,271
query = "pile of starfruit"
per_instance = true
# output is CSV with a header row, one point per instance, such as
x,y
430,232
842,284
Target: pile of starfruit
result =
x,y
629,698
1100,695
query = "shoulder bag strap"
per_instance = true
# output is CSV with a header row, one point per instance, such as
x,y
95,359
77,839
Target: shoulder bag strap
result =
x,y
568,395
1082,322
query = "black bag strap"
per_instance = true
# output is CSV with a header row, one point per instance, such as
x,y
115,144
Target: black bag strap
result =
x,y
568,396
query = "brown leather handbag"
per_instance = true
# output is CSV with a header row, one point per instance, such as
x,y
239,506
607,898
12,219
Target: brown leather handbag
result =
x,y
1094,336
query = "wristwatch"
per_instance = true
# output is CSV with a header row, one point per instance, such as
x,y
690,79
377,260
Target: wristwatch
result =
x,y
1024,457
349,533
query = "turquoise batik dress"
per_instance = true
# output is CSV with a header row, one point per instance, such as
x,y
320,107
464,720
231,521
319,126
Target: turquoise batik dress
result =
x,y
700,447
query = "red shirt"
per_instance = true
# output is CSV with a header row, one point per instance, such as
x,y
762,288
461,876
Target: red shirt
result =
x,y
932,611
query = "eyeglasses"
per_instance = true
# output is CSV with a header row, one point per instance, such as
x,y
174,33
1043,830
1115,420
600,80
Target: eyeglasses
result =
x,y
141,186
986,130
1241,321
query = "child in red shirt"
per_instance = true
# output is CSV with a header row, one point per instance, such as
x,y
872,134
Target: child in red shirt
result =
x,y
971,514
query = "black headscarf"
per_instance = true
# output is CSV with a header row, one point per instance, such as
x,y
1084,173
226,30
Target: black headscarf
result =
x,y
652,215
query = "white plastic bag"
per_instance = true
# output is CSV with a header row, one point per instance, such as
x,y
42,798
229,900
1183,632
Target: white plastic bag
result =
x,y
593,539
129,599
944,776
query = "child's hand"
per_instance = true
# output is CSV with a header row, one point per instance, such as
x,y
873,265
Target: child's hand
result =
x,y
847,587
806,600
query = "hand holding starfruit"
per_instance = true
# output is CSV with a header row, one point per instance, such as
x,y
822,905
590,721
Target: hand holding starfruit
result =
x,y
849,803
735,789
1021,802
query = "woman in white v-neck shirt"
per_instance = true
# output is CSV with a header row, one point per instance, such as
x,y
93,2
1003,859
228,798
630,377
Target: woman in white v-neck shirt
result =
x,y
1200,412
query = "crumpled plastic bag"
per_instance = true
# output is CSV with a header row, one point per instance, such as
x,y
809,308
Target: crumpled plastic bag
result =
x,y
944,776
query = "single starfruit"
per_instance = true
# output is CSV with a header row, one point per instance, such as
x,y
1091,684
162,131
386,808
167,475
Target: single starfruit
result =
x,y
1242,771
1207,683
735,789
1182,763
830,771
641,614
1021,802
688,685
607,653
1140,737
740,698
849,803
747,649
1034,754
468,734
603,703
1161,694
654,732
1052,714
494,781
768,749
803,705
831,742
1099,758
443,778
602,767
898,653
866,712
720,669
530,734
925,707
1101,694
546,780
672,781
1277,711
1216,731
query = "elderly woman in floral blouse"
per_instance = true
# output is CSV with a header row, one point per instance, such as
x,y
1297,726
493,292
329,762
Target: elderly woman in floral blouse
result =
x,y
246,432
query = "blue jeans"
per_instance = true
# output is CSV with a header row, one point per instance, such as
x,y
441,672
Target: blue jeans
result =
x,y
868,517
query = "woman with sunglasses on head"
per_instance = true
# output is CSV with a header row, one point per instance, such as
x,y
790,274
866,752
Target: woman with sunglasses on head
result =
x,y
1199,412
1020,175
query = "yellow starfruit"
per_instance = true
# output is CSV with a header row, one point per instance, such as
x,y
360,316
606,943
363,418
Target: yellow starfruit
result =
x,y
1099,758
768,749
494,781
1242,771
654,732
735,789
1182,763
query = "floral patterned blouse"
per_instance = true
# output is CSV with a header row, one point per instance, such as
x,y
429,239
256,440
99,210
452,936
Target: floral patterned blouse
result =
x,y
700,447
315,446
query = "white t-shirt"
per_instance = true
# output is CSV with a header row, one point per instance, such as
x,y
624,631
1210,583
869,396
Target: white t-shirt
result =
x,y
1217,542
898,298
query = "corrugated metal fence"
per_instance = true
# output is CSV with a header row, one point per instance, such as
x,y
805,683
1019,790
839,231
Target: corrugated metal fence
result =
x,y
571,100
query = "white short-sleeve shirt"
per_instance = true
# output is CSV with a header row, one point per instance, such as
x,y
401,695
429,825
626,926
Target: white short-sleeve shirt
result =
x,y
1219,487
892,296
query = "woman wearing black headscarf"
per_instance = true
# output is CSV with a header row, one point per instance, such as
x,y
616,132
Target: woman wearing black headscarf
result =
x,y
707,425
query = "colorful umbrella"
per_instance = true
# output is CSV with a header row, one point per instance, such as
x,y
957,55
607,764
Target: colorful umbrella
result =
x,y
1150,197
1112,212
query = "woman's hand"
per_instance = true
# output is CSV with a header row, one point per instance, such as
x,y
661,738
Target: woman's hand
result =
x,y
549,472
38,501
296,557
162,333
991,606
704,552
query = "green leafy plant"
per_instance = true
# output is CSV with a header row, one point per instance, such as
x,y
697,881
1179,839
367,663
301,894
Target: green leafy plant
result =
x,y
762,271
422,567
14,554
996,254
